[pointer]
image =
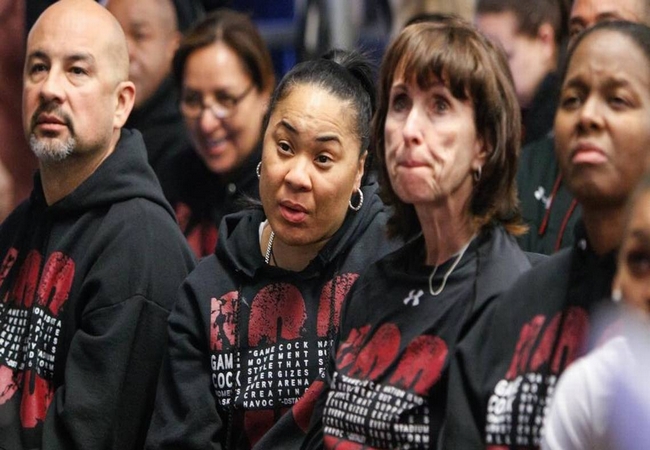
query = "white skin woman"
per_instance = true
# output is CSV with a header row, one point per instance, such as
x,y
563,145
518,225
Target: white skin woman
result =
x,y
253,324
447,137
225,76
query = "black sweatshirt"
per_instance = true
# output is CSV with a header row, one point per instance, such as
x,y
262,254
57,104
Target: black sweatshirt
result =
x,y
505,369
87,285
282,322
387,384
201,198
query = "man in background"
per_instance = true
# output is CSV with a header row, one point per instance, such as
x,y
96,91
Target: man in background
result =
x,y
153,30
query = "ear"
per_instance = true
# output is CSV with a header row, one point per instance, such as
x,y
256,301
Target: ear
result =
x,y
125,96
172,45
360,170
546,36
481,155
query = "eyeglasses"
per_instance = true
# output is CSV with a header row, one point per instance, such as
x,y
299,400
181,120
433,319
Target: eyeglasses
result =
x,y
224,105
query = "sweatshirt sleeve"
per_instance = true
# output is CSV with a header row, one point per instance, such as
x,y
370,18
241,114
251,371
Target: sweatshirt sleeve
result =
x,y
185,415
466,408
110,379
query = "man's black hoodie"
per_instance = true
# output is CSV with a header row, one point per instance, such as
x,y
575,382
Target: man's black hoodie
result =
x,y
86,285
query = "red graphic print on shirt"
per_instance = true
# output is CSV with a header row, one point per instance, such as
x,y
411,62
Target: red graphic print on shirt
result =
x,y
544,350
378,396
334,292
30,330
201,236
284,351
222,321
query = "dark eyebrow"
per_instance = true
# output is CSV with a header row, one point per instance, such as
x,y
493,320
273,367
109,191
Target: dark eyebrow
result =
x,y
328,138
321,138
288,126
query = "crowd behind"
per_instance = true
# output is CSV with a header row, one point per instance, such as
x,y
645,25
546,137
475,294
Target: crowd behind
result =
x,y
446,249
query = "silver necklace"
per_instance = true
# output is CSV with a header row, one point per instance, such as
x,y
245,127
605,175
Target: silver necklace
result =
x,y
451,269
269,248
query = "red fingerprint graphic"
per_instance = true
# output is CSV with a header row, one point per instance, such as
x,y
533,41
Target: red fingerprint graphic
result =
x,y
183,215
202,238
567,348
37,396
342,285
56,282
350,348
421,364
527,339
378,353
571,341
278,312
334,443
25,285
8,384
7,264
222,321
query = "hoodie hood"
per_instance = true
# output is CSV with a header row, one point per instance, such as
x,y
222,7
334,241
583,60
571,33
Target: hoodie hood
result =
x,y
239,236
123,175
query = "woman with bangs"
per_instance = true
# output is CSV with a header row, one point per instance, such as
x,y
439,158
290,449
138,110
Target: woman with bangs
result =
x,y
447,137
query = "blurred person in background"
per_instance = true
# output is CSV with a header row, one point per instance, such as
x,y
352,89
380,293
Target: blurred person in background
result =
x,y
505,370
153,30
532,34
602,401
547,205
224,73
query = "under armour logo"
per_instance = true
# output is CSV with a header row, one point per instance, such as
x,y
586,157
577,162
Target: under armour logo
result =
x,y
414,297
540,195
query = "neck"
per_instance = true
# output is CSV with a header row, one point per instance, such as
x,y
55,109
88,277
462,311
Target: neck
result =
x,y
60,178
604,228
289,257
446,229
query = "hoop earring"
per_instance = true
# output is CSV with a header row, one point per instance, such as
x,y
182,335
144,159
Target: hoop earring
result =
x,y
358,207
478,173
258,169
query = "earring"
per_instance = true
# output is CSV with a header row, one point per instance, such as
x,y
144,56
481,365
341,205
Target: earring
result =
x,y
478,173
258,169
358,207
617,295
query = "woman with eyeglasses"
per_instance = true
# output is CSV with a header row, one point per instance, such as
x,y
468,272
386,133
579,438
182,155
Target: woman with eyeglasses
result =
x,y
225,75
252,327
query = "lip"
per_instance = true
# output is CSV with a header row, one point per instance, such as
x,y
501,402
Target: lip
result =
x,y
214,147
50,122
587,153
293,212
410,163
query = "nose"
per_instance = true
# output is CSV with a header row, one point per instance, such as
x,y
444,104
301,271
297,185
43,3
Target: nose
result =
x,y
591,117
412,130
208,121
52,87
298,176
